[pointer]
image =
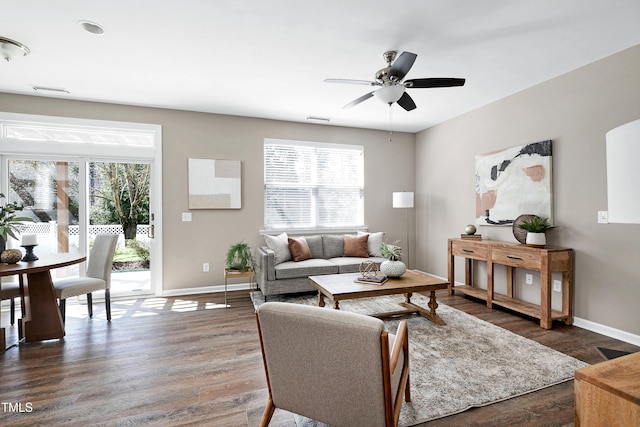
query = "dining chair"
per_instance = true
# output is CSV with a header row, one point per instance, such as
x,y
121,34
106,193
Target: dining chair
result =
x,y
11,291
333,366
98,276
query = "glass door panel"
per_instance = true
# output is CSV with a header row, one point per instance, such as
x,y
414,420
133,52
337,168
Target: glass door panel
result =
x,y
49,192
119,204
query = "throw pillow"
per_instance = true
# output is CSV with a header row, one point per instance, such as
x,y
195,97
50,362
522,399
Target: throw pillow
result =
x,y
333,245
280,245
299,249
374,243
356,246
315,245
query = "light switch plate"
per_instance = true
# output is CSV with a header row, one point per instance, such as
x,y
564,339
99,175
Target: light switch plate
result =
x,y
603,217
557,286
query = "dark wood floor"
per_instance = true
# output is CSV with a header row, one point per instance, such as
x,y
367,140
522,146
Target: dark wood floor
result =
x,y
190,361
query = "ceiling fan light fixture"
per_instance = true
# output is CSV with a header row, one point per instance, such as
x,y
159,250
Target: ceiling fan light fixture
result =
x,y
389,94
10,49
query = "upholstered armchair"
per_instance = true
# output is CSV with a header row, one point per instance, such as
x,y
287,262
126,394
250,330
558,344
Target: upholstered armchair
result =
x,y
333,366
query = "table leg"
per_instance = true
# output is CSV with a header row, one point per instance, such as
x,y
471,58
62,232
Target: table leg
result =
x,y
408,297
42,319
320,299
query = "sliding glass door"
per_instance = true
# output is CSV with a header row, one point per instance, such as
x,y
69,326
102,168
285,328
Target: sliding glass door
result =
x,y
78,178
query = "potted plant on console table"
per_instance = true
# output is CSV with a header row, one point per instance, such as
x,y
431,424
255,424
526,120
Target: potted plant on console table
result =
x,y
535,228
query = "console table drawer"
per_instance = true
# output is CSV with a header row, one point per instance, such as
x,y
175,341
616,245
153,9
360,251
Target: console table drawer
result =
x,y
470,250
517,257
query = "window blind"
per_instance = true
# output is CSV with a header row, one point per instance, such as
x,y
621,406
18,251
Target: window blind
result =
x,y
313,185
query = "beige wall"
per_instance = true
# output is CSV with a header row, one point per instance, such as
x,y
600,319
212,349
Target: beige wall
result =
x,y
389,166
575,111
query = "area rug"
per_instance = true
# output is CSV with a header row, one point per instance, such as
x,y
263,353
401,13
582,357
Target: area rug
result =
x,y
464,364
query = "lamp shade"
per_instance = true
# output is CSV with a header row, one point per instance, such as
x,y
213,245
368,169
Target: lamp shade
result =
x,y
403,199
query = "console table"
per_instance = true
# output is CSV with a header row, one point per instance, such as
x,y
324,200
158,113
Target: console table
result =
x,y
545,260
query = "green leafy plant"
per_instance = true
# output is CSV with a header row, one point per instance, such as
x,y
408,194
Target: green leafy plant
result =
x,y
535,225
392,252
140,248
239,257
9,222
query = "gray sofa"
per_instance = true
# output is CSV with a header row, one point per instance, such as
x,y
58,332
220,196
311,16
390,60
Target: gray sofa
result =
x,y
327,257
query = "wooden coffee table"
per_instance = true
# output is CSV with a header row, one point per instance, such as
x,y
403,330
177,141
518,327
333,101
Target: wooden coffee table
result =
x,y
338,287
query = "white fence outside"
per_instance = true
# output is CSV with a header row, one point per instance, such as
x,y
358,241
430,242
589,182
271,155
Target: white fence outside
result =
x,y
47,234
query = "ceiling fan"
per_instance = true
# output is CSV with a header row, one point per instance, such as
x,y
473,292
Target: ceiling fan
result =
x,y
392,87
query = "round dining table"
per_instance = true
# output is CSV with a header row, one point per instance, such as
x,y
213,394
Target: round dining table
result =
x,y
41,319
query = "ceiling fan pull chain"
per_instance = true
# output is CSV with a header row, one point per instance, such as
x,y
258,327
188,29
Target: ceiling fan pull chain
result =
x,y
390,122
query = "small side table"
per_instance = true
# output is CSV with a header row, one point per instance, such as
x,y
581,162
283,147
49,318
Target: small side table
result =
x,y
237,274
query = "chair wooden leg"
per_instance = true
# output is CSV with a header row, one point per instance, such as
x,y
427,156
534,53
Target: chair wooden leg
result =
x,y
268,413
90,304
63,305
107,303
13,310
407,389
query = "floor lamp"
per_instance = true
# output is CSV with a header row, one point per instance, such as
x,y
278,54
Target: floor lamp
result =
x,y
404,200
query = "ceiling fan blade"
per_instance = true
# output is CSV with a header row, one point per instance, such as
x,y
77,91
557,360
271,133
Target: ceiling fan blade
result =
x,y
353,82
359,100
402,65
406,102
433,82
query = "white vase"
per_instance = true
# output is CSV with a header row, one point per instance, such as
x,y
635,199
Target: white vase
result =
x,y
536,239
393,268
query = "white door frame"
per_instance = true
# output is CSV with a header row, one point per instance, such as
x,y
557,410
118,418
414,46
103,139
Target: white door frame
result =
x,y
41,149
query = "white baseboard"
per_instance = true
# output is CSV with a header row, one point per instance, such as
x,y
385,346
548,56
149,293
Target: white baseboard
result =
x,y
595,327
206,290
607,331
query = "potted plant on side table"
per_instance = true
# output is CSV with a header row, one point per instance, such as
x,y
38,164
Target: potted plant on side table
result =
x,y
536,228
239,257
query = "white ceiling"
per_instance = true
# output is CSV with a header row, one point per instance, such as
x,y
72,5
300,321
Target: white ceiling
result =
x,y
269,59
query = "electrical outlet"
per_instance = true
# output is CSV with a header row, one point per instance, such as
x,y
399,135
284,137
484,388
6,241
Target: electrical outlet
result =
x,y
205,267
528,279
557,286
186,216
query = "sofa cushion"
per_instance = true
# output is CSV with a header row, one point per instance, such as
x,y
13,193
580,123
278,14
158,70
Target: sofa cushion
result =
x,y
280,246
352,264
356,246
299,249
315,246
306,268
374,243
333,245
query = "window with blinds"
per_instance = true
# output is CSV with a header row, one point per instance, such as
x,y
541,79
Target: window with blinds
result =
x,y
309,185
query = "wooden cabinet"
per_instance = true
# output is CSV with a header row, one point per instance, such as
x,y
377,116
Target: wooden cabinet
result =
x,y
545,260
608,393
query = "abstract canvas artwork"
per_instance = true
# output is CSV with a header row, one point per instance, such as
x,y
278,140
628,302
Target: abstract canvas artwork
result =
x,y
215,184
513,182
